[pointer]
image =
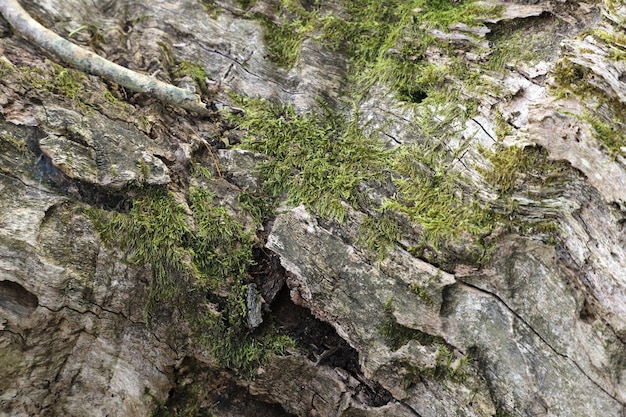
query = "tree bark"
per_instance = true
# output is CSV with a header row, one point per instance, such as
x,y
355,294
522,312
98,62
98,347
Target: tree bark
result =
x,y
92,63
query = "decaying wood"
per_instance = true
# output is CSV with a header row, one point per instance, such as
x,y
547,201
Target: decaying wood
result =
x,y
92,63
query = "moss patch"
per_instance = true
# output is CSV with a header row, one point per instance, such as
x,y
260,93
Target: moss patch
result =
x,y
197,73
516,173
193,256
314,160
528,40
63,81
432,196
377,234
320,160
605,113
387,40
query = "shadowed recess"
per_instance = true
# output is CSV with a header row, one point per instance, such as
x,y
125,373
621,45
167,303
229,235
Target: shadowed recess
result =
x,y
17,299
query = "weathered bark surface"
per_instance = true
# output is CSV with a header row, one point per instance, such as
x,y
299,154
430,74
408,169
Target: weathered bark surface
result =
x,y
542,325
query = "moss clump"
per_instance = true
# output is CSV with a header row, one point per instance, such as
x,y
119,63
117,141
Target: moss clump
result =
x,y
527,40
317,161
321,160
246,4
570,78
379,233
431,196
191,255
259,207
616,42
197,73
422,293
610,134
387,40
284,37
211,7
447,368
507,166
5,67
63,81
524,172
606,114
384,38
151,234
9,142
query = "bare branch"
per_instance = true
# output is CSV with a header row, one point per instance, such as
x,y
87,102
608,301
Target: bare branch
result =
x,y
92,63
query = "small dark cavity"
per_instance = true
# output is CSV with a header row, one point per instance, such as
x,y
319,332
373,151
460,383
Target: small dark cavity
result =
x,y
17,299
415,96
323,345
212,393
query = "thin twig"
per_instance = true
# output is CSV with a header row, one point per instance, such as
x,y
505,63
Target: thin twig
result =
x,y
91,63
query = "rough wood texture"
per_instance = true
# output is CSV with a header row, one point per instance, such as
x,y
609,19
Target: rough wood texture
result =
x,y
526,319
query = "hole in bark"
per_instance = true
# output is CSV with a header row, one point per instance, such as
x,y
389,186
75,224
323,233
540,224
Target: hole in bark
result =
x,y
267,273
201,391
586,314
17,299
323,345
316,339
413,96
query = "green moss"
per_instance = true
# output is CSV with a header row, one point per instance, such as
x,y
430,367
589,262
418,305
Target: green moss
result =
x,y
144,168
5,67
213,8
422,293
195,71
321,160
199,171
63,81
151,234
284,39
388,39
606,114
615,41
316,161
570,78
447,368
190,255
246,4
384,38
377,234
443,13
523,40
611,135
259,207
507,166
431,195
524,172
9,142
